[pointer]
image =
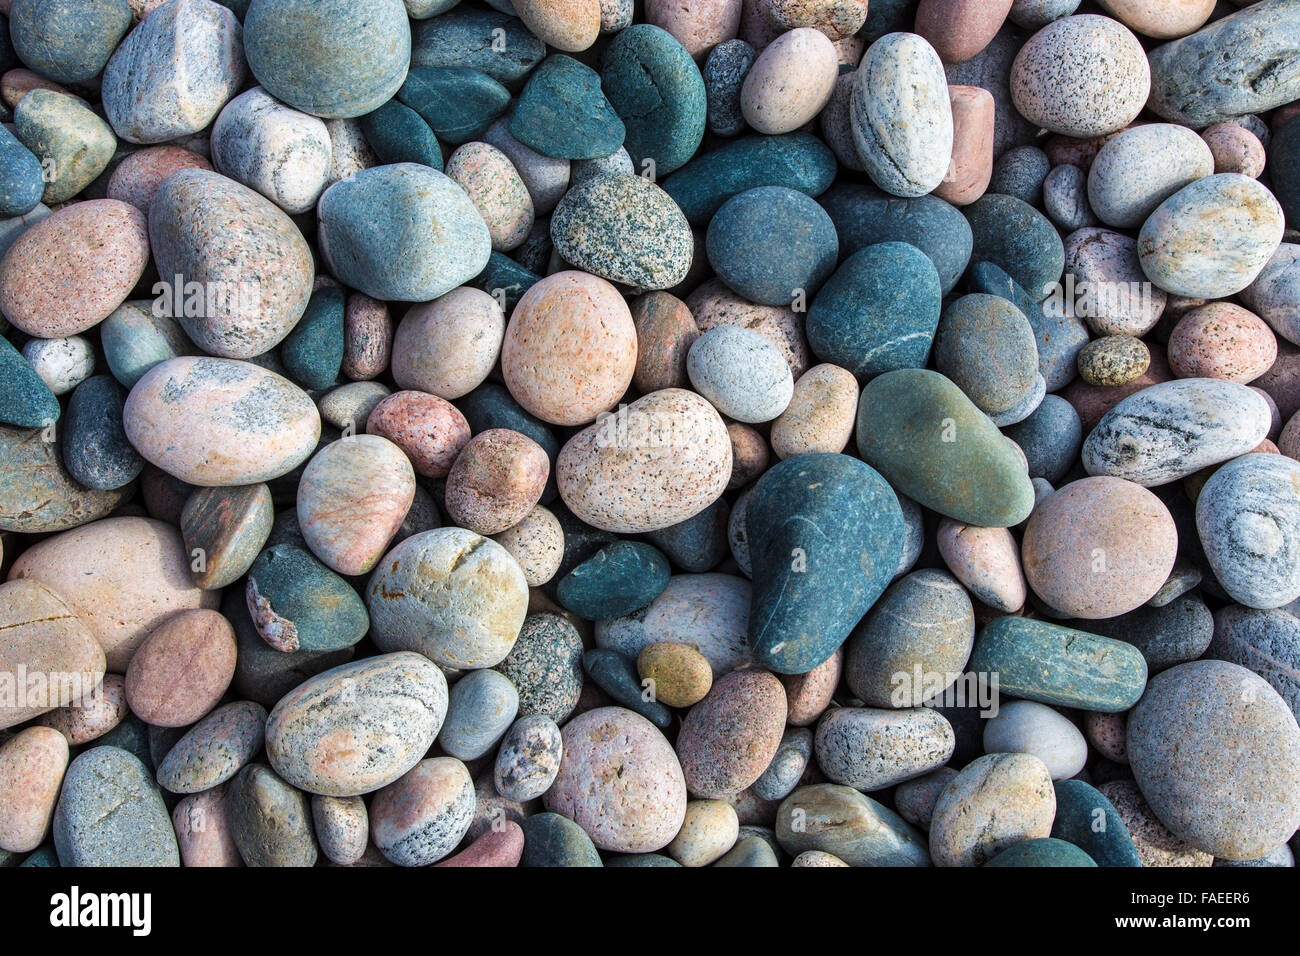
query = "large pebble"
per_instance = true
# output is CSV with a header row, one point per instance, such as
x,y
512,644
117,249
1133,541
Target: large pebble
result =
x,y
1142,167
428,429
357,727
270,820
742,373
214,749
528,759
545,665
870,749
728,739
110,813
180,671
1028,727
420,818
995,802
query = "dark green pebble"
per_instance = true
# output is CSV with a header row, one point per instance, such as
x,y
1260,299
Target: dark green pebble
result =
x,y
553,840
697,544
485,40
1015,236
616,675
95,448
398,134
1085,818
25,399
1178,632
22,182
299,604
313,352
563,113
1044,851
617,580
458,103
505,274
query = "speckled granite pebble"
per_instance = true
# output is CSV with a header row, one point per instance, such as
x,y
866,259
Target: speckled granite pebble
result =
x,y
110,813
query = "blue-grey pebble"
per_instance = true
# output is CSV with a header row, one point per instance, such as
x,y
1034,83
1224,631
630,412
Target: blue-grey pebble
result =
x,y
1021,172
480,708
1050,438
111,813
68,41
95,448
724,75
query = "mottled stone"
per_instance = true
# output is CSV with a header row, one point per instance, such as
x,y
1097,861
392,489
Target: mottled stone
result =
x,y
996,802
110,813
270,820
214,749
420,818
870,749
850,825
728,738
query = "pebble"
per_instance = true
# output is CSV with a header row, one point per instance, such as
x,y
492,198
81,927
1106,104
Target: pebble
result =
x,y
174,72
724,76
357,727
553,840
995,802
180,671
1264,642
545,666
790,81
1248,519
61,363
1222,340
203,831
742,373
986,561
820,415
1170,634
298,604
870,749
536,542
39,494
481,707
792,760
1234,794
25,400
32,765
1042,661
456,37
342,827
915,799
421,818
905,143
72,144
214,749
430,431
1023,726
270,820
1155,845
728,739
1014,236
93,716
1173,429
984,345
618,580
497,191
282,153
110,813
1113,360
709,830
1050,438
849,825
1087,819
1143,166
496,480
528,759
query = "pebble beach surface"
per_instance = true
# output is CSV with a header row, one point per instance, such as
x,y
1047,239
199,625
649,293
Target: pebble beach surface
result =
x,y
586,433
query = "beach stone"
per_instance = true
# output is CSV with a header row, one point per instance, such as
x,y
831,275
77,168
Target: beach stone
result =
x,y
95,447
1276,293
741,372
1027,727
72,144
625,229
1161,21
497,191
901,428
1238,808
709,830
821,413
546,177
623,475
1221,340
1143,166
458,103
864,216
765,266
342,827
1155,845
714,305
878,312
68,272
1050,438
563,114
1081,76
357,727
346,406
553,840
174,72
1087,819
67,41
297,603
481,707
1038,660
134,340
536,543
849,825
1266,642
93,716
430,431
1235,149
1113,360
915,799
1065,198
26,400
655,86
618,580
1110,290
708,612
1248,518
986,561
227,528
367,338
974,112
39,494
456,597
32,765
136,178
1099,547
61,363
1173,429
214,749
332,62
282,153
1019,239
697,28
122,577
420,818
252,267
995,802
788,766
904,143
545,666
262,673
203,831
495,481
790,82
984,345
218,422
724,76
628,807
270,820
678,673
870,749
444,225
463,37
528,759
728,738
1188,87
665,331
398,134
794,160
179,672
809,605
1171,634
959,29
1212,238
888,641
1040,852
503,847
110,813
1021,172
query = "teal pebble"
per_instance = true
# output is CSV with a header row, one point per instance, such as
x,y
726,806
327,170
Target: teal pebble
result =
x,y
795,160
562,112
1085,818
1018,238
553,840
985,345
617,580
1044,851
68,41
481,706
398,134
751,851
772,245
44,856
640,859
312,353
1050,438
22,182
697,544
504,274
864,216
111,813
657,90
878,312
299,604
484,40
25,399
134,340
616,675
992,279
825,536
95,448
1038,660
458,103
